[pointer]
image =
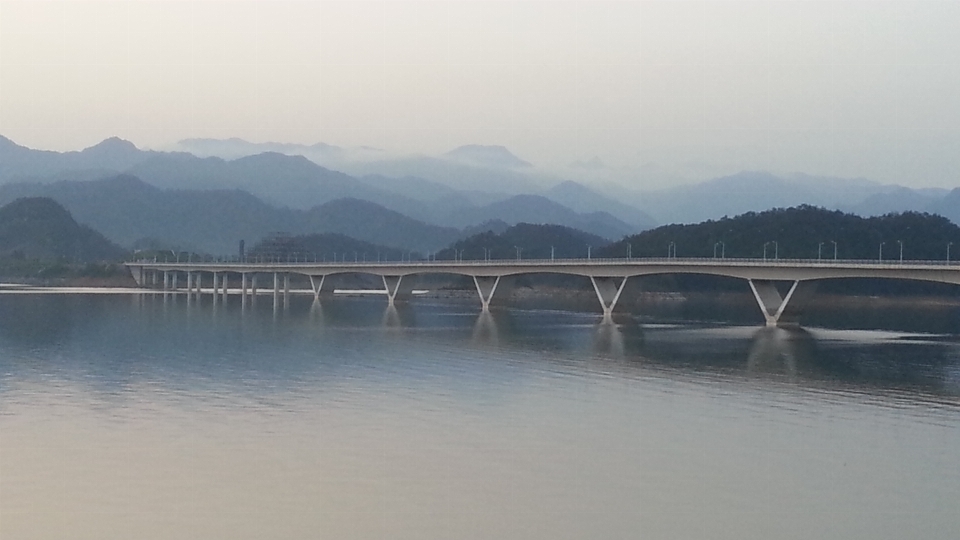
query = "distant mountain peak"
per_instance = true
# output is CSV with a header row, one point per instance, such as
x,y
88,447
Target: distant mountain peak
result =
x,y
487,155
113,144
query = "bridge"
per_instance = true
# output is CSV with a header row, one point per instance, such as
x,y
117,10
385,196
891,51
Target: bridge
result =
x,y
608,276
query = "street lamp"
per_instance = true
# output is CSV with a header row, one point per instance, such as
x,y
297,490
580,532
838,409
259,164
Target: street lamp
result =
x,y
485,257
901,250
723,249
672,250
948,251
519,249
776,250
819,251
588,253
551,253
834,249
629,250
881,251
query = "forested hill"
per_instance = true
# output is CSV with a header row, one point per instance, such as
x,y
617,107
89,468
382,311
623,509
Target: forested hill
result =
x,y
527,240
39,228
795,233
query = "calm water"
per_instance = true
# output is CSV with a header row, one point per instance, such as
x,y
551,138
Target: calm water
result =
x,y
129,417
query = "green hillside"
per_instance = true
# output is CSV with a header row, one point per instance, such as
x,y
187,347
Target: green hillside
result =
x,y
38,228
802,232
528,241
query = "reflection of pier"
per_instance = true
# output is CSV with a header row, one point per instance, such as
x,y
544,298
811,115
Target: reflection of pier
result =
x,y
797,279
781,350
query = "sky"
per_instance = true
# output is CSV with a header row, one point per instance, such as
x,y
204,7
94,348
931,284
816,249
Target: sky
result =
x,y
659,91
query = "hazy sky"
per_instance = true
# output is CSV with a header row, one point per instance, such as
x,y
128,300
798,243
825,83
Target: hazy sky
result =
x,y
697,88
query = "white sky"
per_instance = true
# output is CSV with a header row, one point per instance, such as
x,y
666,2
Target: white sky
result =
x,y
702,88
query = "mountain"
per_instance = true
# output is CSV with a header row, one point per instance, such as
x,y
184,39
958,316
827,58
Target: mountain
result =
x,y
367,221
539,209
278,178
457,175
486,156
802,232
322,247
128,210
948,206
580,198
39,228
751,191
898,199
113,154
528,241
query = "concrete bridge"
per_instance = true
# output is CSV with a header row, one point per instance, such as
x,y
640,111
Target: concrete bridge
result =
x,y
608,276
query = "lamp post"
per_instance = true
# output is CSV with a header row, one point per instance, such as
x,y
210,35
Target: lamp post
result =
x,y
834,249
588,253
881,251
723,249
629,250
901,250
765,244
551,252
948,251
485,257
776,250
672,250
819,251
519,250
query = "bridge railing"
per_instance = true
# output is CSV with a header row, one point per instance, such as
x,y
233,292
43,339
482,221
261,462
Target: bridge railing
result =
x,y
598,261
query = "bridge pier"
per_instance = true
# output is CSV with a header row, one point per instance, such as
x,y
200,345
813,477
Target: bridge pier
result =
x,y
253,287
487,286
225,285
321,286
608,292
781,310
174,280
216,285
399,288
166,281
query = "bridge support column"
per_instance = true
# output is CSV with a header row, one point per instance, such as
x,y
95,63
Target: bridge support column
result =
x,y
321,286
487,287
166,280
243,285
777,310
608,292
276,286
253,286
399,288
174,281
216,285
138,275
155,273
225,284
286,286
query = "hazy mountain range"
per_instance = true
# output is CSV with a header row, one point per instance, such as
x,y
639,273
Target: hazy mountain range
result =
x,y
210,193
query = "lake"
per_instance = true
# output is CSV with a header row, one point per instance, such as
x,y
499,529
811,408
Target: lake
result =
x,y
129,416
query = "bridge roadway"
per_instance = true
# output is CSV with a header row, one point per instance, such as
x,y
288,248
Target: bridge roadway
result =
x,y
608,276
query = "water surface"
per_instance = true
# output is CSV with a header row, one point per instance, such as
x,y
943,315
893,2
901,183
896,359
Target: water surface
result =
x,y
139,417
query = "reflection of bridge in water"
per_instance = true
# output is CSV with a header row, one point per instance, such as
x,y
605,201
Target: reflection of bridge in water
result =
x,y
799,278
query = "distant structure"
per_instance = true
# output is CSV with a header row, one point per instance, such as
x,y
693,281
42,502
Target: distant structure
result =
x,y
243,254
